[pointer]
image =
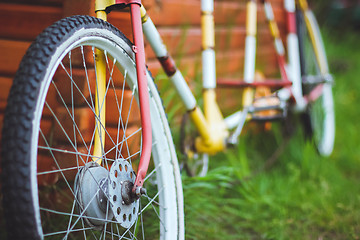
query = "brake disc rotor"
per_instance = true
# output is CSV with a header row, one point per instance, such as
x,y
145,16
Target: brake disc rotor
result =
x,y
124,206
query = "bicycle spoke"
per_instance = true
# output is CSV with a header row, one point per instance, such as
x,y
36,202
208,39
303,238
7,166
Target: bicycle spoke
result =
x,y
127,120
70,200
78,130
152,200
57,164
63,232
119,144
87,76
57,171
68,111
142,224
83,211
151,173
120,122
65,151
72,211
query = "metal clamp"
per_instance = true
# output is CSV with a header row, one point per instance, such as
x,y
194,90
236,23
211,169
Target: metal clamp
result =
x,y
109,5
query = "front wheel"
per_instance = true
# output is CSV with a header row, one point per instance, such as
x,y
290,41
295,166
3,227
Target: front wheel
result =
x,y
54,185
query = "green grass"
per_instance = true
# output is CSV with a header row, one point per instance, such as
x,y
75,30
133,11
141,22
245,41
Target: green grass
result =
x,y
300,195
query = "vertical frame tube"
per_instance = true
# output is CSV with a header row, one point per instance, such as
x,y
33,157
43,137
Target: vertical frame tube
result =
x,y
100,103
293,54
250,51
208,44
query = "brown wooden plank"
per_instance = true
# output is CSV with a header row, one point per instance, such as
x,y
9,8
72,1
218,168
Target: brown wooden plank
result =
x,y
11,55
121,20
5,83
130,113
129,146
115,143
227,62
78,7
46,128
46,163
15,50
74,90
70,93
2,106
78,56
25,22
69,160
182,42
187,12
229,100
36,2
51,103
84,119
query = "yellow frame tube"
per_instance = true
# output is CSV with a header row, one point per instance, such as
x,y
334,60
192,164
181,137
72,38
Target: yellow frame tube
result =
x,y
303,5
211,127
211,109
207,28
251,18
100,102
247,98
101,5
144,16
215,121
200,122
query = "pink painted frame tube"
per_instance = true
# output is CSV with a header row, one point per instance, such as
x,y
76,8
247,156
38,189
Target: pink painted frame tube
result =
x,y
143,95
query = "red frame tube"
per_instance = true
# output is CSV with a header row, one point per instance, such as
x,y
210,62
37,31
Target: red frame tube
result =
x,y
281,61
314,94
143,95
291,22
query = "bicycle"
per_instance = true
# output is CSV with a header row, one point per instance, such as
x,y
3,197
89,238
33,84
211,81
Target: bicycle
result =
x,y
73,168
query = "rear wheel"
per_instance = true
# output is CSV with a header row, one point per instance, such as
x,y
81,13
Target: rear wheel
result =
x,y
54,186
319,120
194,164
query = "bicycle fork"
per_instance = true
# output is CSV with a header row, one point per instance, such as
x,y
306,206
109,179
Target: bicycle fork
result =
x,y
102,8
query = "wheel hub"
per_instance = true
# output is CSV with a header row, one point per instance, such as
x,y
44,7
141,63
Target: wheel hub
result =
x,y
91,188
95,186
124,204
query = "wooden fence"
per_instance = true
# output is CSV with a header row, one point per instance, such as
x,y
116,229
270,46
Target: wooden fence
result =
x,y
178,22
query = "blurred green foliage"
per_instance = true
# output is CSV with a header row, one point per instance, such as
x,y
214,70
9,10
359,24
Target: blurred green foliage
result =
x,y
301,195
337,14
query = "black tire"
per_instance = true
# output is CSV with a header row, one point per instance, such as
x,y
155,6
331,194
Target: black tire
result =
x,y
46,152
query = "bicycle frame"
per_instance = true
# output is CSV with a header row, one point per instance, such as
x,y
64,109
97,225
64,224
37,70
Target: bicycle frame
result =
x,y
212,127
